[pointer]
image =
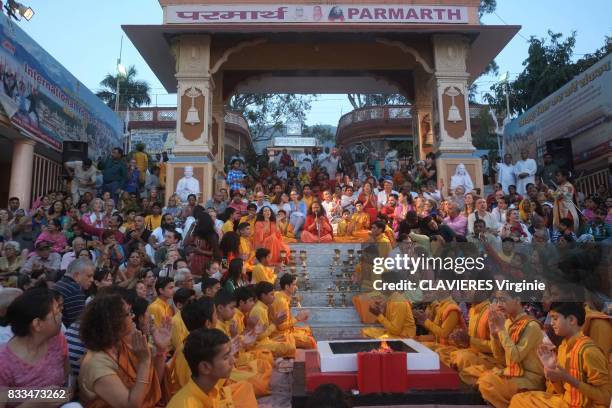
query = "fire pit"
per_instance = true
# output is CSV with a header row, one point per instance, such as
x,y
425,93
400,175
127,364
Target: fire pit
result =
x,y
341,355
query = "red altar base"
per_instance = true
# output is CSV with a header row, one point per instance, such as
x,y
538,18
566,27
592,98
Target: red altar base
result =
x,y
443,379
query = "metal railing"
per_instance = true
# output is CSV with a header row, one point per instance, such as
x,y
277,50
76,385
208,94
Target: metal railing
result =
x,y
375,113
588,184
237,119
46,176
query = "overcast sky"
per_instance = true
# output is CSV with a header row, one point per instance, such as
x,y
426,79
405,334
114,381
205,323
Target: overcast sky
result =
x,y
85,35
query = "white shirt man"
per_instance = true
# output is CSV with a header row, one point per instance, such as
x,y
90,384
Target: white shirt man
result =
x,y
525,170
330,162
383,195
505,173
78,244
84,178
481,213
187,185
305,160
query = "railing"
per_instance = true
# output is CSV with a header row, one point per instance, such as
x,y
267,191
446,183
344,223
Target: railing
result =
x,y
237,119
588,184
46,176
375,113
150,115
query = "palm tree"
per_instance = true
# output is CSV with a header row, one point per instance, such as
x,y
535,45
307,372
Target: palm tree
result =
x,y
132,92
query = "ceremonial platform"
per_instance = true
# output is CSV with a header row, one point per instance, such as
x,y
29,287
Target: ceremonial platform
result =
x,y
327,293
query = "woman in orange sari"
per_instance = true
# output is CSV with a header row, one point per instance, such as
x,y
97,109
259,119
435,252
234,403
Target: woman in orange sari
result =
x,y
120,369
267,234
317,227
368,198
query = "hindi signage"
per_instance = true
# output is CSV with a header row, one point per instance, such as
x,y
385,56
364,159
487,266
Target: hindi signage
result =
x,y
295,141
315,14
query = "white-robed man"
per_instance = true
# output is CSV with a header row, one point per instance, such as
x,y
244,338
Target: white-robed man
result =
x,y
525,170
187,185
505,173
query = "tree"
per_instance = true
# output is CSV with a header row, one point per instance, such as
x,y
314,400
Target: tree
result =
x,y
363,100
487,7
323,133
267,113
548,67
133,93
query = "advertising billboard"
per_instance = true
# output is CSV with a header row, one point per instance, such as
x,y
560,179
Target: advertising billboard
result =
x,y
46,102
583,104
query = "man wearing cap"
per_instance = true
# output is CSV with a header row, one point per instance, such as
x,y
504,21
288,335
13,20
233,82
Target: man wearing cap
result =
x,y
235,177
384,195
43,261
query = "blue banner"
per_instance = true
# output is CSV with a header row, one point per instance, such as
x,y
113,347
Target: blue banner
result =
x,y
46,101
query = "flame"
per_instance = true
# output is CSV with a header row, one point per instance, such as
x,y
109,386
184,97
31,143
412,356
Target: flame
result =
x,y
384,347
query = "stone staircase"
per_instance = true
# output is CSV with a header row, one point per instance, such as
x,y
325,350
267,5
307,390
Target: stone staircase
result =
x,y
337,322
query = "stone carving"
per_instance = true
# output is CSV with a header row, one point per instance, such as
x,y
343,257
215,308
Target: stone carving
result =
x,y
451,53
461,178
187,185
454,115
192,114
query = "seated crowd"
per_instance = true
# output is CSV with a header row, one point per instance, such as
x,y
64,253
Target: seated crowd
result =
x,y
127,302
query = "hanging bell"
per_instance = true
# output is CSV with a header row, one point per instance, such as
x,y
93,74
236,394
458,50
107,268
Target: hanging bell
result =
x,y
192,113
192,116
453,114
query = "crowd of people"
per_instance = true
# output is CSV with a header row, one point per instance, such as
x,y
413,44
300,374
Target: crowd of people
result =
x,y
131,298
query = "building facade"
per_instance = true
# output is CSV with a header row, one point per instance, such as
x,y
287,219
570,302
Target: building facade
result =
x,y
429,52
42,105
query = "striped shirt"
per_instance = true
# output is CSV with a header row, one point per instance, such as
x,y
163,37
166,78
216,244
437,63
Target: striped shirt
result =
x,y
74,299
76,349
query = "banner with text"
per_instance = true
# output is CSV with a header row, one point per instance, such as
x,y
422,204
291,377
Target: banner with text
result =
x,y
46,101
315,14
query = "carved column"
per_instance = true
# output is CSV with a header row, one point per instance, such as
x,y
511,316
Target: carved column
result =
x,y
422,109
452,130
194,114
218,130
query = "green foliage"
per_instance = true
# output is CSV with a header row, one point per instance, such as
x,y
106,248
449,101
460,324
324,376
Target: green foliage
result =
x,y
404,149
487,7
363,100
133,93
483,139
266,113
323,133
548,67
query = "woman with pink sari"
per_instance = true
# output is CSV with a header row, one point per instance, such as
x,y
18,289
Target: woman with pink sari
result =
x,y
401,209
267,235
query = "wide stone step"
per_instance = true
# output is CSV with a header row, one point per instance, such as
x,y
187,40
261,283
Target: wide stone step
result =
x,y
319,298
331,315
323,247
321,271
337,332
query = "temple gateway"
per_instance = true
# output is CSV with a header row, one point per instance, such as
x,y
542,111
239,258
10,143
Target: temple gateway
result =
x,y
430,52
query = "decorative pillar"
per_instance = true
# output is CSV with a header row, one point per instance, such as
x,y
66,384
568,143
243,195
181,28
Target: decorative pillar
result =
x,y
218,131
194,116
453,143
20,184
422,109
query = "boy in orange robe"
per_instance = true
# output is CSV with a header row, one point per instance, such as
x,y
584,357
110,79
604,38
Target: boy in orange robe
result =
x,y
579,376
208,354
